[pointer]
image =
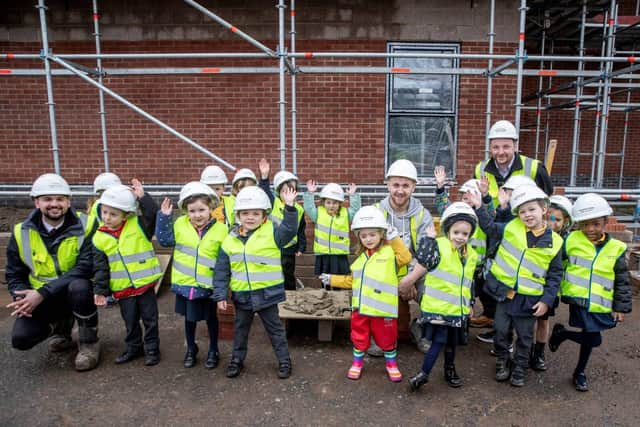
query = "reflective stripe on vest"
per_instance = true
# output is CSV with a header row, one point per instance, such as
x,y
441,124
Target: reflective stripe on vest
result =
x,y
529,168
521,268
447,288
43,267
589,274
375,284
229,215
479,243
194,257
331,235
277,215
132,261
255,264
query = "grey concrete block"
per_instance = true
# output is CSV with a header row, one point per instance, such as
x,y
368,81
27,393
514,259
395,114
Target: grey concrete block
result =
x,y
171,33
135,34
345,14
4,34
80,34
115,32
77,17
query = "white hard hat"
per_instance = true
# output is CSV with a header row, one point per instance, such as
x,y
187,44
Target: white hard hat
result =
x,y
524,194
471,186
368,217
458,211
590,206
562,203
282,177
213,175
503,129
104,181
244,173
50,184
403,168
119,197
252,198
196,188
332,191
516,181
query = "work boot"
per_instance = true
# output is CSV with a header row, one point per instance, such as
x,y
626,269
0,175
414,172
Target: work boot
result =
x,y
418,380
503,369
486,337
580,381
481,322
234,368
88,348
416,329
60,339
128,355
537,360
451,376
284,369
374,350
518,376
555,339
152,358
190,357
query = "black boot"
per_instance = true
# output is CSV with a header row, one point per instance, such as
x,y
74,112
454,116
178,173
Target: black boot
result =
x,y
503,369
451,376
234,368
556,337
212,359
537,360
190,357
418,380
518,376
580,381
284,369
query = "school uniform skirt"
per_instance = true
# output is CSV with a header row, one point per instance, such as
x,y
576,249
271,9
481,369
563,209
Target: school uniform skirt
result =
x,y
331,264
196,309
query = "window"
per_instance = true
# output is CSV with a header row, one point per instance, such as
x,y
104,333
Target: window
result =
x,y
422,109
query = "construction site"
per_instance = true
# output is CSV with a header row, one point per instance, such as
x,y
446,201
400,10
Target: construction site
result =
x,y
333,91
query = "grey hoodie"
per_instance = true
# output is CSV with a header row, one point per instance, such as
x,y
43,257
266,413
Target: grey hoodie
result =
x,y
403,222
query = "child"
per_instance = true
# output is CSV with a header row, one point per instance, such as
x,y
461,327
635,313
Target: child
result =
x,y
331,235
374,282
125,265
243,178
101,183
559,218
216,179
197,238
447,300
249,263
595,284
523,278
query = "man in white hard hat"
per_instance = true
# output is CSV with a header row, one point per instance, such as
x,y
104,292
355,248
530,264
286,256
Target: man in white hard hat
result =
x,y
49,267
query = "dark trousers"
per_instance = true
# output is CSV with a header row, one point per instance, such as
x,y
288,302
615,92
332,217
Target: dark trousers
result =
x,y
76,300
289,271
272,324
488,302
143,307
504,324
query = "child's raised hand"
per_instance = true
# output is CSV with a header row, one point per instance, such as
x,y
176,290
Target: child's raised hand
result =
x,y
167,206
137,188
288,194
312,186
475,200
441,176
431,231
100,300
222,305
351,189
264,167
483,185
503,198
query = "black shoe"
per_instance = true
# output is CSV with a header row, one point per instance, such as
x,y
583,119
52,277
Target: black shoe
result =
x,y
212,360
486,337
537,361
152,358
284,369
451,376
234,368
418,380
128,356
503,369
555,339
580,382
518,376
190,357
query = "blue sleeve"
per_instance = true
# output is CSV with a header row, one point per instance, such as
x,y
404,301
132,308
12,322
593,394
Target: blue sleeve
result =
x,y
221,277
265,185
489,225
553,279
504,215
302,236
164,230
288,228
310,206
355,202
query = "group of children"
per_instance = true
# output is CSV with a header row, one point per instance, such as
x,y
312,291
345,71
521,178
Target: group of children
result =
x,y
519,250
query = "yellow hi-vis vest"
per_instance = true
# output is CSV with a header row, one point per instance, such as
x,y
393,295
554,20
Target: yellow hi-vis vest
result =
x,y
529,168
230,217
375,284
256,263
331,235
277,215
478,242
193,258
521,268
43,267
589,275
132,261
447,288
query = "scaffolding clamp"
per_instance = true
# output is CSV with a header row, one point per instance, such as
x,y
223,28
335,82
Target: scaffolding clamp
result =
x,y
87,70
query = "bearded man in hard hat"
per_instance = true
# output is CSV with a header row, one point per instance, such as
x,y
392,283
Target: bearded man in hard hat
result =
x,y
49,267
407,214
505,161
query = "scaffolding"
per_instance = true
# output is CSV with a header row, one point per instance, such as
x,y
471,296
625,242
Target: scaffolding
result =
x,y
549,26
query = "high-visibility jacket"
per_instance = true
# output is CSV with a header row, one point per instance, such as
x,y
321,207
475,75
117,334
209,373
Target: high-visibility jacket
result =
x,y
255,264
194,258
43,267
447,288
589,275
277,214
478,242
375,284
132,261
230,217
90,219
331,235
519,267
529,168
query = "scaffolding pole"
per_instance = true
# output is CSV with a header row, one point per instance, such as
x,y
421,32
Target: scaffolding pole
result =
x,y
521,57
103,119
539,101
294,109
575,142
282,102
491,34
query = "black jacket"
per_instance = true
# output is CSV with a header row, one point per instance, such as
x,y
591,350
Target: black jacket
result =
x,y
17,274
542,178
301,244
